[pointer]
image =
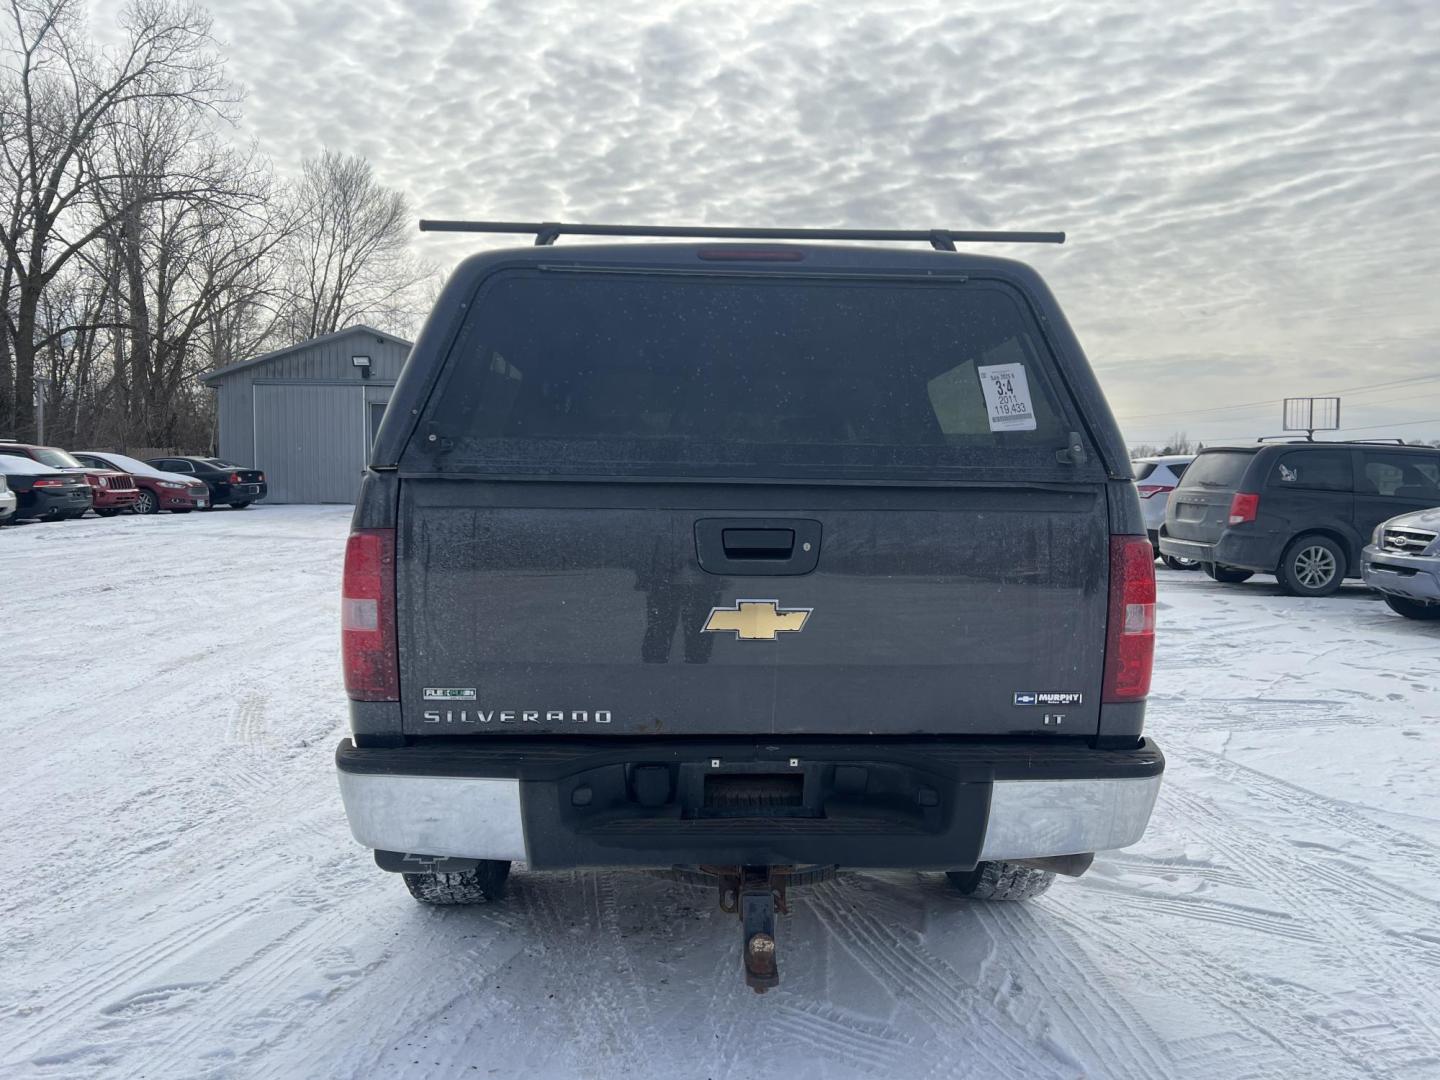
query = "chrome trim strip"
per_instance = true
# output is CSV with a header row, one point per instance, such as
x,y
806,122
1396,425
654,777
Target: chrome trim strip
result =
x,y
1030,819
459,816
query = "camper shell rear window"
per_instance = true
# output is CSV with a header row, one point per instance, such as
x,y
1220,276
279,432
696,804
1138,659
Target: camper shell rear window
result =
x,y
589,373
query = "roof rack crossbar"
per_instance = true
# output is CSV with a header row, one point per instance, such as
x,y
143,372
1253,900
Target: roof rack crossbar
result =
x,y
1334,442
547,232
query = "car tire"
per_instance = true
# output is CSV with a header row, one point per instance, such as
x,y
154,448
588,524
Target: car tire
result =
x,y
483,885
1228,575
1313,565
1174,562
1412,609
1000,881
107,512
240,506
147,503
181,510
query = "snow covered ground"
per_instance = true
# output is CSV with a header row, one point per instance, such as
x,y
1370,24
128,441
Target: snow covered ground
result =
x,y
182,897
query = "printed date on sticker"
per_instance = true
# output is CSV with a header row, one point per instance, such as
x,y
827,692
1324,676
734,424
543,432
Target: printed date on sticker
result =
x,y
1007,397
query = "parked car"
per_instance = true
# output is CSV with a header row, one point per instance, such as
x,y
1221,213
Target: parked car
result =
x,y
113,491
1155,479
230,485
1299,510
8,500
158,490
43,492
1402,561
550,634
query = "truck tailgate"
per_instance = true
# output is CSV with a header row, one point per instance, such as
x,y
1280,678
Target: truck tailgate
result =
x,y
583,607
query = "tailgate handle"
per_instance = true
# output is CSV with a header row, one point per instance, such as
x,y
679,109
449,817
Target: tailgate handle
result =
x,y
758,543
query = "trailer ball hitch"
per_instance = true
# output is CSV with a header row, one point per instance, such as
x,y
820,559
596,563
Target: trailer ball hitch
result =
x,y
755,893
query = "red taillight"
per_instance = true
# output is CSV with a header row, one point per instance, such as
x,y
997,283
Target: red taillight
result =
x,y
234,478
367,616
48,483
1130,637
1147,490
1244,507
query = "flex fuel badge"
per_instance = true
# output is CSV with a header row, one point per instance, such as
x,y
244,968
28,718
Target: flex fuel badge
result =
x,y
449,693
1049,697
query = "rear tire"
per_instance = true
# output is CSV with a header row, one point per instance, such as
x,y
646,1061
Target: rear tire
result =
x,y
1228,575
1174,562
483,885
1412,609
1000,881
107,512
1313,565
239,506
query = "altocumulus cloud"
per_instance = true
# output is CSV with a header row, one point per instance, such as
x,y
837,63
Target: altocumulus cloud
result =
x,y
1250,188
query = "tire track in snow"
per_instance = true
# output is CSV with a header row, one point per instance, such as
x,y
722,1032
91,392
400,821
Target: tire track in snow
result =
x,y
931,987
1339,907
1100,1018
576,965
1194,973
86,987
832,1033
1215,912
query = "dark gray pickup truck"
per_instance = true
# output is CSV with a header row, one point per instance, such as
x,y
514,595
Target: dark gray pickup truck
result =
x,y
747,563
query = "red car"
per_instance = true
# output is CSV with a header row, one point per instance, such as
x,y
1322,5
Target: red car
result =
x,y
113,491
158,490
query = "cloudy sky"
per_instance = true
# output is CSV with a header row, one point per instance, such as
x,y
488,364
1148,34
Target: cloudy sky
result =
x,y
1251,190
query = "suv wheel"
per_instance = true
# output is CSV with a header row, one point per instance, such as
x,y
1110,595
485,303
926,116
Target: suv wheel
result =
x,y
1412,609
482,885
1312,565
1000,881
1229,575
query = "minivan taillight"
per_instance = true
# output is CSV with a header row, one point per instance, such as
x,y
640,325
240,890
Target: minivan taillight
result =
x,y
367,616
1244,507
1130,636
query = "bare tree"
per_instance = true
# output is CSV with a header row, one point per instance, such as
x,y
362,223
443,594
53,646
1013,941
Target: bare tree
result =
x,y
1179,444
60,100
195,227
350,260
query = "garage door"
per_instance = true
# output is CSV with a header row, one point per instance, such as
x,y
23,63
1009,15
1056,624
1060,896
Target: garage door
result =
x,y
311,441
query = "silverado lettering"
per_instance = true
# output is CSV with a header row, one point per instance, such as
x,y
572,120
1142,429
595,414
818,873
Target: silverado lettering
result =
x,y
510,716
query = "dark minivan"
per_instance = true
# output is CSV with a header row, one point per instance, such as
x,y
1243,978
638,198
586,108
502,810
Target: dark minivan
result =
x,y
752,561
1300,510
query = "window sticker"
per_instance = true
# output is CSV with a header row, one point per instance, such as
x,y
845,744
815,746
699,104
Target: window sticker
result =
x,y
1007,397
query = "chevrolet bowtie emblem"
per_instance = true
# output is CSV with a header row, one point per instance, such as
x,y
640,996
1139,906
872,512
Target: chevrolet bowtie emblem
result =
x,y
756,620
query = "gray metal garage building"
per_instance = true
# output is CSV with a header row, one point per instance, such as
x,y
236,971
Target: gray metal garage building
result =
x,y
307,414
